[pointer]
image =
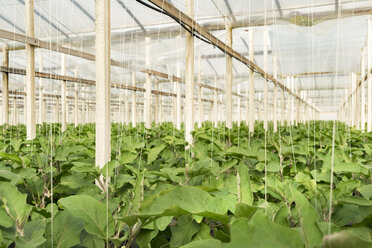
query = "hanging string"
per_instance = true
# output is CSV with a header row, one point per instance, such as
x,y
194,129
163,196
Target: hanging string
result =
x,y
334,124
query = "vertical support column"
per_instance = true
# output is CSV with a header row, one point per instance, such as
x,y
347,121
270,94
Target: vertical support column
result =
x,y
24,107
282,112
56,111
148,86
353,104
292,100
288,102
179,106
126,106
174,113
239,113
63,93
42,110
160,117
265,96
299,103
5,90
369,68
103,88
251,83
30,72
200,93
229,78
275,100
76,103
363,93
189,77
134,101
156,109
357,102
215,104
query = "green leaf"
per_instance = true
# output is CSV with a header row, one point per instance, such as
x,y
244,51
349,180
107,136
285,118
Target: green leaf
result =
x,y
240,152
93,212
207,243
11,157
183,231
245,194
308,220
345,240
5,220
33,235
203,233
66,230
244,210
182,200
262,233
154,152
366,191
15,203
356,200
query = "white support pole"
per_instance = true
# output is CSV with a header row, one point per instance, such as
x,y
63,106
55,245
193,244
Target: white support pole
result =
x,y
239,113
64,93
41,93
24,108
56,111
229,78
103,87
200,94
282,112
292,100
30,72
174,113
369,68
251,111
148,87
363,93
352,110
156,109
357,103
76,102
298,103
215,104
160,115
179,100
5,90
265,96
134,101
275,100
126,107
288,102
189,77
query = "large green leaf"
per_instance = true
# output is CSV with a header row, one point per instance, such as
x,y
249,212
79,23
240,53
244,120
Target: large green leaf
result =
x,y
154,152
345,240
308,220
65,237
181,200
183,231
245,194
15,203
98,221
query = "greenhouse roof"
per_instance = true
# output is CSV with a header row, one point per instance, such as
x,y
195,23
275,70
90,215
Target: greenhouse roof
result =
x,y
308,38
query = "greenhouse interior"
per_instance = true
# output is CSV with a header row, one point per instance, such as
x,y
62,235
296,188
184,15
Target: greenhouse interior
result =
x,y
186,123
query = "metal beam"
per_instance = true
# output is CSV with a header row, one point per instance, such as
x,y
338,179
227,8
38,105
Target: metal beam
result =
x,y
12,24
44,18
231,13
189,22
277,3
83,10
130,13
